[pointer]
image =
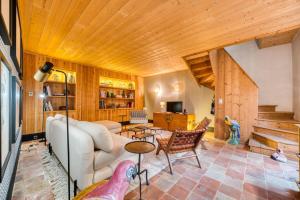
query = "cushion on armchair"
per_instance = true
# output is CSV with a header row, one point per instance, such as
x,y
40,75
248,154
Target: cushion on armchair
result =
x,y
138,117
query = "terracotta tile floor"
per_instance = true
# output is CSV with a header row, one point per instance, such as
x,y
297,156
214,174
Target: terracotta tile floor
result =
x,y
227,173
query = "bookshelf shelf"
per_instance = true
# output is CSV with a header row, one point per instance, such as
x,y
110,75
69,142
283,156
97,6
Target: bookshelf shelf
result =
x,y
60,96
116,94
58,82
110,98
55,92
117,88
59,111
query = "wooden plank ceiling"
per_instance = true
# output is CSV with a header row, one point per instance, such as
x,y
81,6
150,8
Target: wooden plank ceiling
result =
x,y
150,36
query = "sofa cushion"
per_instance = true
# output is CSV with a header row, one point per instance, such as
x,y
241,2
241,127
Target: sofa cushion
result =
x,y
103,159
101,136
109,124
115,130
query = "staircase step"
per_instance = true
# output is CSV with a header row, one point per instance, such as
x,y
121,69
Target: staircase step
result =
x,y
258,147
256,144
286,134
282,115
288,146
267,108
195,55
280,124
200,66
198,60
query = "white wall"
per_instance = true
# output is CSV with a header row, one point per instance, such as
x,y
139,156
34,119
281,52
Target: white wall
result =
x,y
178,86
296,75
271,68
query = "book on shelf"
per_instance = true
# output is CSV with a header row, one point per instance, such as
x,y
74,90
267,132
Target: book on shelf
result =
x,y
48,106
48,90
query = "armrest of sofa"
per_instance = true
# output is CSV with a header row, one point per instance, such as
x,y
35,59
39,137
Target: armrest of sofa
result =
x,y
49,121
81,152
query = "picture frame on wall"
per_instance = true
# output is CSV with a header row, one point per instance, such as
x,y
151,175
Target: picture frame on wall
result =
x,y
16,108
17,46
5,116
6,21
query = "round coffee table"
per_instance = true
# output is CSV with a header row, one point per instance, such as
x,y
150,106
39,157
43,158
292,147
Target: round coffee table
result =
x,y
140,147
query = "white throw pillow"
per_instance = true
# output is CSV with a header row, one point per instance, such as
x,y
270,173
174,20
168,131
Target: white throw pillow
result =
x,y
59,116
101,136
72,122
63,118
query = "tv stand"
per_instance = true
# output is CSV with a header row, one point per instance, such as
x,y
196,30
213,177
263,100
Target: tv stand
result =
x,y
172,121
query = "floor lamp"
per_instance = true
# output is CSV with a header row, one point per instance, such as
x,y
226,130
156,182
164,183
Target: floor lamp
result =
x,y
43,96
42,75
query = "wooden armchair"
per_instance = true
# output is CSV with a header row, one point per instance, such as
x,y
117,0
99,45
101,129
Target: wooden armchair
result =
x,y
203,125
181,141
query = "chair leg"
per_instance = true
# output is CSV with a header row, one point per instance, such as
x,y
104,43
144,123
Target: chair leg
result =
x,y
203,146
170,164
158,149
195,152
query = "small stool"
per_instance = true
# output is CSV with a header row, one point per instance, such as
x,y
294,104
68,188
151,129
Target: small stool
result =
x,y
144,136
155,129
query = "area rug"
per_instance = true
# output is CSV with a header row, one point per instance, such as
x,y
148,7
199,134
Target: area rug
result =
x,y
58,179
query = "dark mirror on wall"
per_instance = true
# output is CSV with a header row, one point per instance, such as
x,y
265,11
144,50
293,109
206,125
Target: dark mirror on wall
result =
x,y
17,46
5,117
6,21
16,109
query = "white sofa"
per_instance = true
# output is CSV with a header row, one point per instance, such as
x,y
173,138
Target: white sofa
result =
x,y
88,164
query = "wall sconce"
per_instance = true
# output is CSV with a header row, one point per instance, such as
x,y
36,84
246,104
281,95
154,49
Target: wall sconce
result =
x,y
162,106
157,91
42,95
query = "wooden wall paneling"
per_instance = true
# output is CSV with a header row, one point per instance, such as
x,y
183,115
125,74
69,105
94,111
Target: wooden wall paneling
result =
x,y
29,101
88,112
220,96
239,94
87,92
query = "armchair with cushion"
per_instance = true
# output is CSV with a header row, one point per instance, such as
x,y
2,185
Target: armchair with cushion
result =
x,y
203,125
138,117
180,141
184,141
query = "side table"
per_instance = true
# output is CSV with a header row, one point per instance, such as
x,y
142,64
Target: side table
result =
x,y
140,147
122,122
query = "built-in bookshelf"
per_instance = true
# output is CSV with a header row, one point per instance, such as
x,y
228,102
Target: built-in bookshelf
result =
x,y
116,93
55,92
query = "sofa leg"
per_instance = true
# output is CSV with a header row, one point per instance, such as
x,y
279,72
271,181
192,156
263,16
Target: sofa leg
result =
x,y
170,164
195,152
50,148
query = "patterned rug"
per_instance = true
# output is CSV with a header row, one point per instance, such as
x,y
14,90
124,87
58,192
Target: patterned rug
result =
x,y
58,179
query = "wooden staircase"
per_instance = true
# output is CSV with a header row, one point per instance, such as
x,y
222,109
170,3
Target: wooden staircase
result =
x,y
274,129
201,68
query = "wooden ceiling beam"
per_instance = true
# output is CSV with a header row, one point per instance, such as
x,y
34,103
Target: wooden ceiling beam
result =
x,y
276,39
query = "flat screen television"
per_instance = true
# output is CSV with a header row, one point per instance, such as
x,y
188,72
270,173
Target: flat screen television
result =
x,y
174,106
